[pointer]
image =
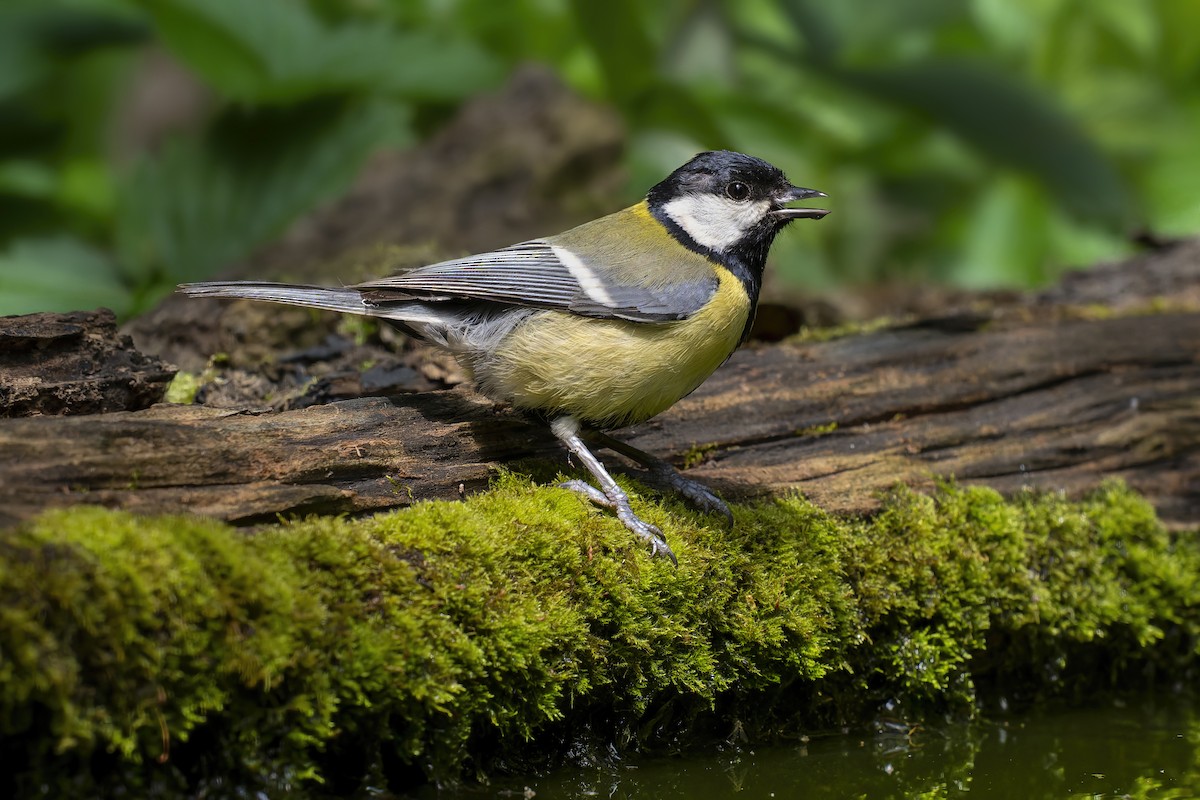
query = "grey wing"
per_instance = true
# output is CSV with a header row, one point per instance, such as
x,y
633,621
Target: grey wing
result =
x,y
540,275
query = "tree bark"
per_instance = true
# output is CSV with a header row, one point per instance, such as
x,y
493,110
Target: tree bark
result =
x,y
1036,396
74,364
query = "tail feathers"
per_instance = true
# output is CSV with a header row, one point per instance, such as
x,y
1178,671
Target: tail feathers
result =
x,y
420,318
347,300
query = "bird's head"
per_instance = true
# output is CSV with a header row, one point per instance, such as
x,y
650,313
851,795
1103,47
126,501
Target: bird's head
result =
x,y
729,204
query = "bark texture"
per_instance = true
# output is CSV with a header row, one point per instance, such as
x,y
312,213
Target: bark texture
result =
x,y
1041,398
74,364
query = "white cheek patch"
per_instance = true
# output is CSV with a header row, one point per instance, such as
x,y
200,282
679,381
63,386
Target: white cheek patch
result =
x,y
592,286
715,222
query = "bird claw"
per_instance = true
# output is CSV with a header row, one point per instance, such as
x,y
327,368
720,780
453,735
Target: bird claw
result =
x,y
697,494
619,504
658,548
593,494
664,476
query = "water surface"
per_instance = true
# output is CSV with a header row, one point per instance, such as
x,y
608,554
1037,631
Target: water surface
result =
x,y
1141,746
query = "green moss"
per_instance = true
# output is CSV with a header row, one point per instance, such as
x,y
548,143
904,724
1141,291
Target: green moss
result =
x,y
698,454
183,388
361,329
966,571
507,625
186,385
818,430
828,333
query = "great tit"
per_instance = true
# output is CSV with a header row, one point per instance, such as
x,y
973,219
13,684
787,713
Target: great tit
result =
x,y
599,327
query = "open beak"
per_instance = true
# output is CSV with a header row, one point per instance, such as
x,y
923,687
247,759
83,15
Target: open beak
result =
x,y
792,195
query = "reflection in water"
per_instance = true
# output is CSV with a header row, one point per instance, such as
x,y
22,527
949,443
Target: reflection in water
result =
x,y
1143,746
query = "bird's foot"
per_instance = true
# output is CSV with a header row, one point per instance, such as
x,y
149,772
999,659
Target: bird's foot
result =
x,y
618,502
694,492
665,477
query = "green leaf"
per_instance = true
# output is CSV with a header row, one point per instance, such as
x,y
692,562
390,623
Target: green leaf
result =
x,y
1180,51
1072,245
766,129
33,33
201,204
1008,24
1006,236
1172,178
1135,25
822,40
1008,122
422,66
86,186
276,51
700,53
21,65
868,31
670,106
616,33
60,274
229,55
27,178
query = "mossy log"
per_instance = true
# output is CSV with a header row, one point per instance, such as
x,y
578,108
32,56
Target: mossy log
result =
x,y
177,656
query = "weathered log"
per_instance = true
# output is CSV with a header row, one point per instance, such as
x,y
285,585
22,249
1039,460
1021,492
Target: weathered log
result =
x,y
74,363
1056,403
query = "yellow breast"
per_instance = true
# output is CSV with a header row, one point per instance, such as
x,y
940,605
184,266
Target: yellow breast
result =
x,y
612,372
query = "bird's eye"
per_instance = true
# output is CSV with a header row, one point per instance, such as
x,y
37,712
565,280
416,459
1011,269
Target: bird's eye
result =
x,y
737,191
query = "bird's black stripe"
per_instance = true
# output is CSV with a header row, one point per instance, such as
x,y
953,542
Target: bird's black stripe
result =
x,y
747,267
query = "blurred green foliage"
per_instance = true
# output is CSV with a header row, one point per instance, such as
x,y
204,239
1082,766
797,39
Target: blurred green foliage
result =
x,y
978,142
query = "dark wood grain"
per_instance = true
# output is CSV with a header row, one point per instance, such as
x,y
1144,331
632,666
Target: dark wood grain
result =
x,y
1057,403
74,363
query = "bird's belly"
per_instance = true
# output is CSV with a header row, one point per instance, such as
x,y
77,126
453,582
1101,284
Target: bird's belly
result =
x,y
614,372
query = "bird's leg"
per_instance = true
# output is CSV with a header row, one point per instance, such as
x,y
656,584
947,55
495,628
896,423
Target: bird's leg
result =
x,y
609,495
664,474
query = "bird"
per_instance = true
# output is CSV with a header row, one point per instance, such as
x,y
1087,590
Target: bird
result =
x,y
602,326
